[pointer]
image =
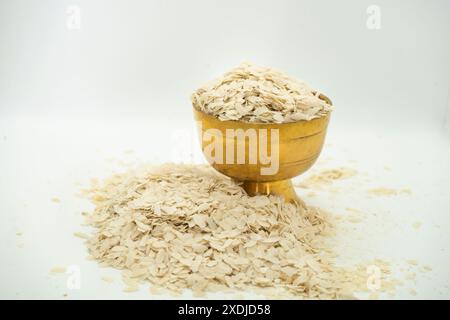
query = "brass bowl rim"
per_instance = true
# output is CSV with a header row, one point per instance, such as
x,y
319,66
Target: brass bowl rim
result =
x,y
321,96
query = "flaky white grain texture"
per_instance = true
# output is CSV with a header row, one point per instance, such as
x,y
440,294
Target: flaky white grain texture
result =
x,y
257,94
188,227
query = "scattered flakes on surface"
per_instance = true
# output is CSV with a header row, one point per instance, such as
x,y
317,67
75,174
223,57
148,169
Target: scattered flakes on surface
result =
x,y
154,290
129,289
81,235
353,210
425,268
355,217
412,262
56,200
374,296
326,177
19,242
410,276
352,215
416,225
56,270
389,192
188,227
256,94
107,279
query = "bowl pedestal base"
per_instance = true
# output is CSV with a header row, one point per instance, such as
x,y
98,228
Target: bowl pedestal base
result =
x,y
282,188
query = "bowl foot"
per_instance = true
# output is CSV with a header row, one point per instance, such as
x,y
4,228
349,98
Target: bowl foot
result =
x,y
282,188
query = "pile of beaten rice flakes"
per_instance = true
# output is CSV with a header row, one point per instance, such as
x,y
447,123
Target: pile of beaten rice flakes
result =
x,y
188,227
257,94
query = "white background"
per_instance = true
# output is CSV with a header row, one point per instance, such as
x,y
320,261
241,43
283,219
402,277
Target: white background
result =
x,y
72,102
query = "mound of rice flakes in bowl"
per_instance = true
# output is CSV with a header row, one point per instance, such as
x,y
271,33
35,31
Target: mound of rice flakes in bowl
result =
x,y
188,227
256,94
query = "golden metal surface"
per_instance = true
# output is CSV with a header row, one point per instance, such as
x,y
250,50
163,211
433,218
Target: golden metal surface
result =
x,y
300,144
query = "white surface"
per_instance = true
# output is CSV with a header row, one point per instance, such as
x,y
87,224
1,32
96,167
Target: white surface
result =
x,y
45,158
72,100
